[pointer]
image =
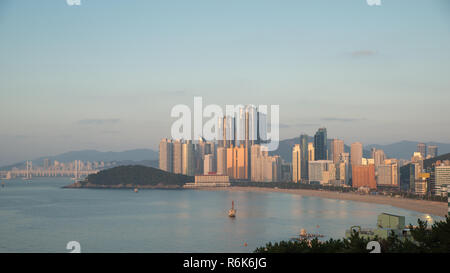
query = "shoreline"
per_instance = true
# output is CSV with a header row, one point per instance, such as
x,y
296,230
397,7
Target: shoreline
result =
x,y
78,185
423,206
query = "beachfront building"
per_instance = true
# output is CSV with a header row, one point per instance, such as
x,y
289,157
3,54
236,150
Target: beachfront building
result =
x,y
165,155
296,163
207,181
321,171
364,176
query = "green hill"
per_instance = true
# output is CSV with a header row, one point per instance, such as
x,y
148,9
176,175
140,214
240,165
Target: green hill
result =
x,y
133,176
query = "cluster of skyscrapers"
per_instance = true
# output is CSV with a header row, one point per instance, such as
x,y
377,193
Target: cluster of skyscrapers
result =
x,y
238,153
424,178
316,163
241,156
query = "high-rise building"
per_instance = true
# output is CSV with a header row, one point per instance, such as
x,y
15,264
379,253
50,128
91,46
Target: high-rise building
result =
x,y
165,155
364,176
342,172
177,157
256,170
432,151
208,164
221,161
321,171
442,175
422,149
356,153
387,174
202,148
272,168
337,148
320,144
345,158
226,131
311,152
46,164
241,163
296,163
265,168
304,158
230,162
188,158
237,158
378,157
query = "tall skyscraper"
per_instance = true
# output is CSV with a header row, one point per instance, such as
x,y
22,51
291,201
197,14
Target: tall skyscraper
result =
x,y
46,164
241,163
311,152
356,153
256,170
177,157
230,162
337,148
188,158
433,151
422,149
165,155
304,157
208,164
320,144
296,163
378,157
221,161
226,131
345,159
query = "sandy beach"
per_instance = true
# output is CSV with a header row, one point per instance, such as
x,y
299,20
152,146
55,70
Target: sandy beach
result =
x,y
428,207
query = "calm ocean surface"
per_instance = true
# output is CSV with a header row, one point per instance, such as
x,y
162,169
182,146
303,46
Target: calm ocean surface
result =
x,y
40,216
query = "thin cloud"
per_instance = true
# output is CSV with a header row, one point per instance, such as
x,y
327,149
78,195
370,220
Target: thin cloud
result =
x,y
110,132
343,119
363,53
98,121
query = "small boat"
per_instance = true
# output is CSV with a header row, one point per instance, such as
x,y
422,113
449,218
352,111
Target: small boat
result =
x,y
232,211
136,190
304,235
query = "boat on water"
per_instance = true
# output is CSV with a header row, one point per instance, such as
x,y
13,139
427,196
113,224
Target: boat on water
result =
x,y
304,235
232,211
136,190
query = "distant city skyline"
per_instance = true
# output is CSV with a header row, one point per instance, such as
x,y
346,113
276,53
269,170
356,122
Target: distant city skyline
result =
x,y
104,75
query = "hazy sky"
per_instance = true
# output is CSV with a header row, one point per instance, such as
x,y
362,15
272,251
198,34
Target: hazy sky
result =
x,y
105,75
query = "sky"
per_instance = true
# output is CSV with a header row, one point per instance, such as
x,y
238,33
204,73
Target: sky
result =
x,y
105,75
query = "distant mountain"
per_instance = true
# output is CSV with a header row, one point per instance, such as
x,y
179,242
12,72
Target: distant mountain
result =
x,y
429,162
285,148
401,150
405,149
93,155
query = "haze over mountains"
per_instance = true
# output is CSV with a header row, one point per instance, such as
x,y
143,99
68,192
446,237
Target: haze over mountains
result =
x,y
401,150
148,157
404,149
145,156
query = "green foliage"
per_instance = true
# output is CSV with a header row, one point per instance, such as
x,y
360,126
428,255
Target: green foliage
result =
x,y
424,240
136,176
